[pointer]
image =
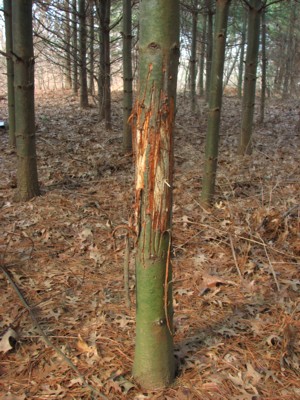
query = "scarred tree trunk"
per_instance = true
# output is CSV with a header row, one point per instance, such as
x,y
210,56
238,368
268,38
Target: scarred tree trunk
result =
x,y
154,364
10,71
215,102
254,13
27,177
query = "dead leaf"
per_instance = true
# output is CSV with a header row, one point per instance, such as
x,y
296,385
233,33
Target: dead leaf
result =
x,y
8,340
252,375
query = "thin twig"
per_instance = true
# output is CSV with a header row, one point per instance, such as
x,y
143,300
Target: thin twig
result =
x,y
289,211
234,257
272,268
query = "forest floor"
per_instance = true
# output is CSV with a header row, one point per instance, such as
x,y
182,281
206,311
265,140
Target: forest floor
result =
x,y
236,266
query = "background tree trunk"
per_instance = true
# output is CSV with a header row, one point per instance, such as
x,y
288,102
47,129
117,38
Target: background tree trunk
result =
x,y
254,13
193,59
209,46
75,46
68,73
91,88
84,100
10,71
215,102
127,76
202,56
242,53
289,47
154,363
263,66
27,177
104,90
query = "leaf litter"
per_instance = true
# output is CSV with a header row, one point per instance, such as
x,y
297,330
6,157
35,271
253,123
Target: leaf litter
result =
x,y
236,266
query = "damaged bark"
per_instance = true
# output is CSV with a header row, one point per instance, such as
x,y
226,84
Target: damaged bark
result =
x,y
154,364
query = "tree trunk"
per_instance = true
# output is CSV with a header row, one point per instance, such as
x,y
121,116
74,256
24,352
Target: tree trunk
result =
x,y
202,57
75,46
91,48
68,73
27,177
242,54
127,76
193,58
263,67
209,47
215,103
84,100
254,13
104,91
154,363
10,71
289,52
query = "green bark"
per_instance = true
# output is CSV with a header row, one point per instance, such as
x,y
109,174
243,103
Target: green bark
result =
x,y
84,100
154,363
254,13
27,177
10,71
127,76
215,102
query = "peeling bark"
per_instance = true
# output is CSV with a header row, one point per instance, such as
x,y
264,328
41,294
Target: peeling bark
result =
x,y
154,364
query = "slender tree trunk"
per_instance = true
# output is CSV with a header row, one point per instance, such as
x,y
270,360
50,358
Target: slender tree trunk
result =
x,y
127,76
154,363
202,56
209,47
263,67
254,13
91,48
84,100
242,54
75,46
104,90
10,71
289,52
68,73
193,59
215,103
27,177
